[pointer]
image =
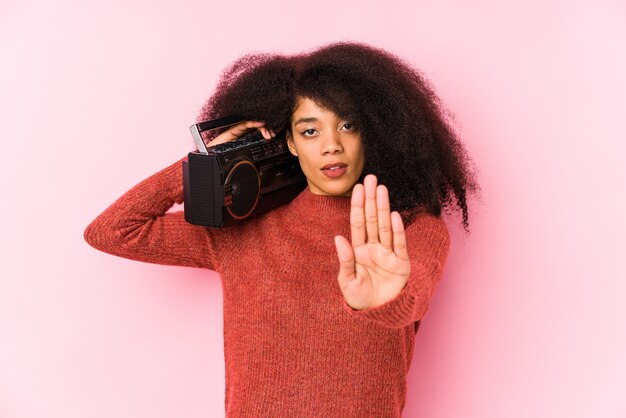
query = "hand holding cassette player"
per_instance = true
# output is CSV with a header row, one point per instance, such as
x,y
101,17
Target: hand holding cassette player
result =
x,y
237,131
239,174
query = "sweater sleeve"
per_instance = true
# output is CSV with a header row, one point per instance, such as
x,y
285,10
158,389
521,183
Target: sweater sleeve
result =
x,y
428,243
136,226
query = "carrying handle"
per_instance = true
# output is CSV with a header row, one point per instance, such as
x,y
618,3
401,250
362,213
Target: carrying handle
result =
x,y
209,125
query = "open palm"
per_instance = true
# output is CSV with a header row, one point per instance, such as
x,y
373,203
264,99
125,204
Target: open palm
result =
x,y
375,267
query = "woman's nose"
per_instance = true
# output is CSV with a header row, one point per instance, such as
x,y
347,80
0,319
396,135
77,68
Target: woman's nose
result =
x,y
332,144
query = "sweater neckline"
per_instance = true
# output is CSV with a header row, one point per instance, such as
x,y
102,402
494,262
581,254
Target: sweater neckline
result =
x,y
322,206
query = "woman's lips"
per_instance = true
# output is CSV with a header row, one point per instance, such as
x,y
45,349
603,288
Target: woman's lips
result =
x,y
334,170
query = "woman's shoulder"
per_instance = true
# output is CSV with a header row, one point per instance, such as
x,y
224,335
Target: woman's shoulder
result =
x,y
425,226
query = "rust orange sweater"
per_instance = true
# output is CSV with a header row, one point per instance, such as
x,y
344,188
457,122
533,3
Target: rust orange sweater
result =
x,y
292,346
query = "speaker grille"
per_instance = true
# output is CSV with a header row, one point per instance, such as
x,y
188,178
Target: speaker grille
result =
x,y
244,185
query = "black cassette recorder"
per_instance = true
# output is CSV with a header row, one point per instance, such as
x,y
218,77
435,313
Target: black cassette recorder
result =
x,y
235,180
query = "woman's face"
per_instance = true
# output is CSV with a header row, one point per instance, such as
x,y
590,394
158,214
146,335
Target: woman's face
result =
x,y
321,140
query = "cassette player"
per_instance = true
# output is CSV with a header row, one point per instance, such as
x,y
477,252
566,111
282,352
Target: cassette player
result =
x,y
235,180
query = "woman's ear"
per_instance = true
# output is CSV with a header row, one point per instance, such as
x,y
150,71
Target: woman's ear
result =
x,y
290,143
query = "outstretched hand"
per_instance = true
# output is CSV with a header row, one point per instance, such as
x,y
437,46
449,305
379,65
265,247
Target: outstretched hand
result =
x,y
375,267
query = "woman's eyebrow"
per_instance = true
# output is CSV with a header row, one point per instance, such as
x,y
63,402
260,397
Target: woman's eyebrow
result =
x,y
301,120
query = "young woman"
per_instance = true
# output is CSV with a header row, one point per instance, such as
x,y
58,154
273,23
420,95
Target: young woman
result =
x,y
322,296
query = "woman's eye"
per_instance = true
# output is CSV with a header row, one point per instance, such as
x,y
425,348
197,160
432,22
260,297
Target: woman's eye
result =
x,y
348,126
308,132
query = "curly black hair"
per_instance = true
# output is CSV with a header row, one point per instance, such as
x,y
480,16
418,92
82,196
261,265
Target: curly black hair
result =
x,y
408,141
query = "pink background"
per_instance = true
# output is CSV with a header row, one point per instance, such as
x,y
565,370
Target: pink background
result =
x,y
529,320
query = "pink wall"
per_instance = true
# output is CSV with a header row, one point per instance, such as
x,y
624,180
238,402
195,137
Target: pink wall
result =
x,y
95,96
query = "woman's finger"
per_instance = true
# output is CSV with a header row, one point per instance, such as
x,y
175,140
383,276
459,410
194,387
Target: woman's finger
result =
x,y
345,254
266,133
357,216
399,238
371,215
384,217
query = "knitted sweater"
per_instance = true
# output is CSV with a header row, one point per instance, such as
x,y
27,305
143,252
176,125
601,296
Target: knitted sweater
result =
x,y
292,345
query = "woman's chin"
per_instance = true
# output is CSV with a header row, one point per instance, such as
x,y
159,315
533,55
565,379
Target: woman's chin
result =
x,y
332,189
